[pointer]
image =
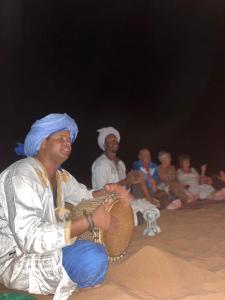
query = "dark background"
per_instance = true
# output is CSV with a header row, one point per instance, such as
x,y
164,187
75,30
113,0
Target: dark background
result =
x,y
153,69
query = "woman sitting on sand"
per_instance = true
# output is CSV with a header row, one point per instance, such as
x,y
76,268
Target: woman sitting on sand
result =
x,y
169,183
194,183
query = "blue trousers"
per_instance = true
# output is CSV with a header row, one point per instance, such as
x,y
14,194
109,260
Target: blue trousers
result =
x,y
86,263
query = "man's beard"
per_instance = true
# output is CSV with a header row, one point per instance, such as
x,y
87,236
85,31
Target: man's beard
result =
x,y
115,148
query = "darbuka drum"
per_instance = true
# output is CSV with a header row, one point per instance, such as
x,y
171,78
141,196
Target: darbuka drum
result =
x,y
117,240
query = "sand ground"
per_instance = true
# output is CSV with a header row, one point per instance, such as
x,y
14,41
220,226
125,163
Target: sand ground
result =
x,y
185,261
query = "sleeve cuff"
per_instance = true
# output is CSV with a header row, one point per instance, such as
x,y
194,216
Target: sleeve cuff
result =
x,y
91,193
67,231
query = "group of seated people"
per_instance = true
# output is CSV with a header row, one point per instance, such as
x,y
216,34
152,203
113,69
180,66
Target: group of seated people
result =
x,y
40,248
162,185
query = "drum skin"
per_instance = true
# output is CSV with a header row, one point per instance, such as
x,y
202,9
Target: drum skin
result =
x,y
118,239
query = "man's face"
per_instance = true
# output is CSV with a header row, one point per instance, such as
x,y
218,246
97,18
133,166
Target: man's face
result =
x,y
58,146
145,156
111,143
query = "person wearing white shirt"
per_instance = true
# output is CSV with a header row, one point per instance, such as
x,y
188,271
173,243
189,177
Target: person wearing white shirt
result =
x,y
108,168
39,252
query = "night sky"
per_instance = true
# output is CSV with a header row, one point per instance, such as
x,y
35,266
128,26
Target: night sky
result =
x,y
153,69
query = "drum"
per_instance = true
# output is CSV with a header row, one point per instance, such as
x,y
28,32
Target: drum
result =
x,y
116,241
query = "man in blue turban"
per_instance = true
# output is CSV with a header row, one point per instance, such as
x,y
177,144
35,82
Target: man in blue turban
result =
x,y
44,127
39,252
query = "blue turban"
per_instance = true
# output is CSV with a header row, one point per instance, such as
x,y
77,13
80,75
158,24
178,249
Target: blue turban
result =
x,y
44,127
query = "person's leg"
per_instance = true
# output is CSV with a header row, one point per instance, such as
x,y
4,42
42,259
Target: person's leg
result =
x,y
179,192
141,190
163,198
86,263
218,195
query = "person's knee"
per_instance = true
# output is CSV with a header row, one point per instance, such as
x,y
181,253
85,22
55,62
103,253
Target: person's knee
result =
x,y
96,266
97,257
86,263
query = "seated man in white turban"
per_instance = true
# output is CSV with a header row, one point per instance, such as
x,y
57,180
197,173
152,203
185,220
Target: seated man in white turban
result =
x,y
108,168
39,252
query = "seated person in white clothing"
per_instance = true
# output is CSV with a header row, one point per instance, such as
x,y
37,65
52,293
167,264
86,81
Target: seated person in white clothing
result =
x,y
192,180
39,252
108,168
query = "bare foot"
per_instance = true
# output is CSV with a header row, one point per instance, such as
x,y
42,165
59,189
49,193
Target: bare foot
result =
x,y
175,204
219,195
155,202
92,287
192,199
96,286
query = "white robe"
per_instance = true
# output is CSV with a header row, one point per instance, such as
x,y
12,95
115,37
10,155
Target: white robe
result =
x,y
106,171
192,180
31,239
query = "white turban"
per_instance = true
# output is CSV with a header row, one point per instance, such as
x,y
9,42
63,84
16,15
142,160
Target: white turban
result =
x,y
103,133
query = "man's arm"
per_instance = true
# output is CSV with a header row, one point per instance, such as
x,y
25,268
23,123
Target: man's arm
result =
x,y
100,218
99,193
124,182
31,231
142,186
133,177
79,226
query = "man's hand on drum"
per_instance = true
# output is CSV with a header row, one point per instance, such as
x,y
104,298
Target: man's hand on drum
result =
x,y
101,216
122,194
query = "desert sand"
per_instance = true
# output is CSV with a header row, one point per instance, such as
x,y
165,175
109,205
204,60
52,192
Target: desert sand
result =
x,y
185,261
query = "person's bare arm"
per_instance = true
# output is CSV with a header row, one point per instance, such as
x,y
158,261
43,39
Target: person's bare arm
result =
x,y
99,193
221,175
142,186
133,177
203,169
79,226
124,182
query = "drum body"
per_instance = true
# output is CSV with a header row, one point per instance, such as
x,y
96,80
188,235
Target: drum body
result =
x,y
117,239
